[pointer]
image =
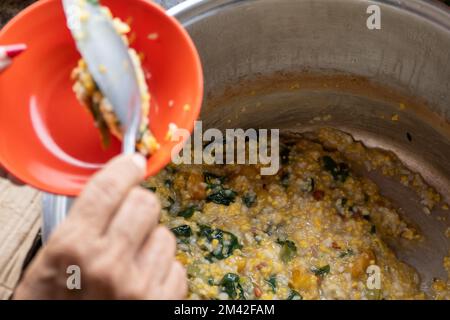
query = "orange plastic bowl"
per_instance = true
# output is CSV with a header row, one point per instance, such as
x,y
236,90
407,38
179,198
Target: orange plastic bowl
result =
x,y
47,139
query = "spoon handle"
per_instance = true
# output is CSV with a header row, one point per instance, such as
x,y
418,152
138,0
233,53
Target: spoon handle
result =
x,y
54,211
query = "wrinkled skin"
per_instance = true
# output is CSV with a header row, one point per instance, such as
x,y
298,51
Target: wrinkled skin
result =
x,y
113,235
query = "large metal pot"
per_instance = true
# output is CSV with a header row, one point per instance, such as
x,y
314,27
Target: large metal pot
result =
x,y
286,63
283,63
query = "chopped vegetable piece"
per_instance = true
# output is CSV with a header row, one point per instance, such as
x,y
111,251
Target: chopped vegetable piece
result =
x,y
184,231
272,282
212,180
322,271
221,196
294,295
228,242
249,199
231,286
288,250
318,195
346,253
188,212
340,172
168,183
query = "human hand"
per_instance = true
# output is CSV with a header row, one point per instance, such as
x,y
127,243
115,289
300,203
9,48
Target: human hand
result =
x,y
112,235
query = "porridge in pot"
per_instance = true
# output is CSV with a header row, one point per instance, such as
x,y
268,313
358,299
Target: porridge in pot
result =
x,y
309,232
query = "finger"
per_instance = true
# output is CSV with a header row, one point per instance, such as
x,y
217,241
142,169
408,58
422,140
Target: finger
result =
x,y
136,218
104,193
175,287
157,255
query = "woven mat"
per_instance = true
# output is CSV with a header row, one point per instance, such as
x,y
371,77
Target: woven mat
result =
x,y
20,209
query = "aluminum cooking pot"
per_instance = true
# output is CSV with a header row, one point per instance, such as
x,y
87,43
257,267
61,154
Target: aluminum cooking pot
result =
x,y
286,63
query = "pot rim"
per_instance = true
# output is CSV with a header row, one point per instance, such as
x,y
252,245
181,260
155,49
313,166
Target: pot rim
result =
x,y
430,10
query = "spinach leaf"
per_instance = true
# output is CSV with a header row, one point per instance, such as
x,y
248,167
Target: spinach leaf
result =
x,y
221,196
249,199
322,271
339,171
168,183
218,194
213,180
231,286
184,231
294,295
288,250
228,242
272,282
188,212
347,253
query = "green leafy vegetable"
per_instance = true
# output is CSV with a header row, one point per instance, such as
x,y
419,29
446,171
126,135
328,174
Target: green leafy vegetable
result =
x,y
221,196
184,231
212,180
272,282
322,271
249,199
231,286
228,242
288,250
346,253
294,295
339,171
188,212
168,183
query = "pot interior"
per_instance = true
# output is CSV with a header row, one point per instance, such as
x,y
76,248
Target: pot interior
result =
x,y
301,65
